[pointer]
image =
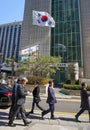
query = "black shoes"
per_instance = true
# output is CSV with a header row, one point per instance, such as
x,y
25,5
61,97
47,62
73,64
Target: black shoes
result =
x,y
18,117
31,112
76,118
27,123
42,115
52,117
11,125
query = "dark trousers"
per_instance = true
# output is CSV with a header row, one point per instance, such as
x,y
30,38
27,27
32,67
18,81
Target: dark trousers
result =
x,y
51,109
37,104
17,109
81,111
12,110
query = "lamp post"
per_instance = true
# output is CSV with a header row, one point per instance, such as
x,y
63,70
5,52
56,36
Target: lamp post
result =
x,y
60,48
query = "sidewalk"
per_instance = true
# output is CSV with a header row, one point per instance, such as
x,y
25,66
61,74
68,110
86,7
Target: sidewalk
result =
x,y
63,121
60,95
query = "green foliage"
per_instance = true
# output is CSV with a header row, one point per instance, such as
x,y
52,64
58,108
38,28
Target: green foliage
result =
x,y
44,66
33,79
68,81
75,87
77,82
10,60
23,67
88,87
72,86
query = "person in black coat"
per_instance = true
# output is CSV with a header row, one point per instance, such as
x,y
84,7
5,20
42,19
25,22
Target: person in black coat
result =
x,y
36,98
19,107
84,101
14,98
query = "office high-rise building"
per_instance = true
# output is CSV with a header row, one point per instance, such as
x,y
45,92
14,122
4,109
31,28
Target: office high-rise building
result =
x,y
34,35
10,40
69,38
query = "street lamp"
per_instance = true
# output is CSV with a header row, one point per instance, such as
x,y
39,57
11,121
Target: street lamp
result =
x,y
62,47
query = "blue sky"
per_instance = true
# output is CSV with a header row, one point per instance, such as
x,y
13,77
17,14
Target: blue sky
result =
x,y
11,10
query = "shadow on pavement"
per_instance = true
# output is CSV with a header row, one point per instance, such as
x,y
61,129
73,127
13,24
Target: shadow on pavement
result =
x,y
3,123
33,116
4,113
85,122
73,120
67,119
3,116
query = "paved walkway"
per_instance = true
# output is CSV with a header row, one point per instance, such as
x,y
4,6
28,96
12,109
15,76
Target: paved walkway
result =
x,y
63,121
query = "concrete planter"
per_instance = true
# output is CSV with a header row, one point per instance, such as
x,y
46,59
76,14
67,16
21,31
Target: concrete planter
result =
x,y
70,92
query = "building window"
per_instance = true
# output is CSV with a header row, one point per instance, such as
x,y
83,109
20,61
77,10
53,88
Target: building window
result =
x,y
67,30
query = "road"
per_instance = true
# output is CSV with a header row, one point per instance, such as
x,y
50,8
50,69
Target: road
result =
x,y
62,105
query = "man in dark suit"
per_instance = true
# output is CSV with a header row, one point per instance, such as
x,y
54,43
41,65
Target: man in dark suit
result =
x,y
21,95
51,100
14,98
84,101
36,98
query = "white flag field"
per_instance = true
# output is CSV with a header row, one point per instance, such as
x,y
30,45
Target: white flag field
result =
x,y
42,19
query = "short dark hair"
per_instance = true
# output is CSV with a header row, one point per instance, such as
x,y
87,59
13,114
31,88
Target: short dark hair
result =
x,y
37,82
50,82
18,79
83,84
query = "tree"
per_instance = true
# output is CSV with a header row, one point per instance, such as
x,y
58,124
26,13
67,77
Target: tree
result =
x,y
23,66
11,61
43,66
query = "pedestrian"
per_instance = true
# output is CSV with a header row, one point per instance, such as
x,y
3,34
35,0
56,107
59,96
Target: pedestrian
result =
x,y
21,95
36,98
84,101
14,98
51,100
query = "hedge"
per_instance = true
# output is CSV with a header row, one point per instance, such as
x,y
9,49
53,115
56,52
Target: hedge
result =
x,y
74,87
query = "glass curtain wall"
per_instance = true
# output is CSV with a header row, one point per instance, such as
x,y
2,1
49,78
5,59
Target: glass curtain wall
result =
x,y
65,37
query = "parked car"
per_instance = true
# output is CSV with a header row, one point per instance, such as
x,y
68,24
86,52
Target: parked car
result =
x,y
5,96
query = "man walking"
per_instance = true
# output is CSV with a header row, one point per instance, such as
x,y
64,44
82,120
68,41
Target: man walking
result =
x,y
21,94
36,98
14,98
51,100
84,101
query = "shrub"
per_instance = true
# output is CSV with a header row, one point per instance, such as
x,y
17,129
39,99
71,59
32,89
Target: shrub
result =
x,y
88,87
75,87
77,82
33,79
72,86
68,81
